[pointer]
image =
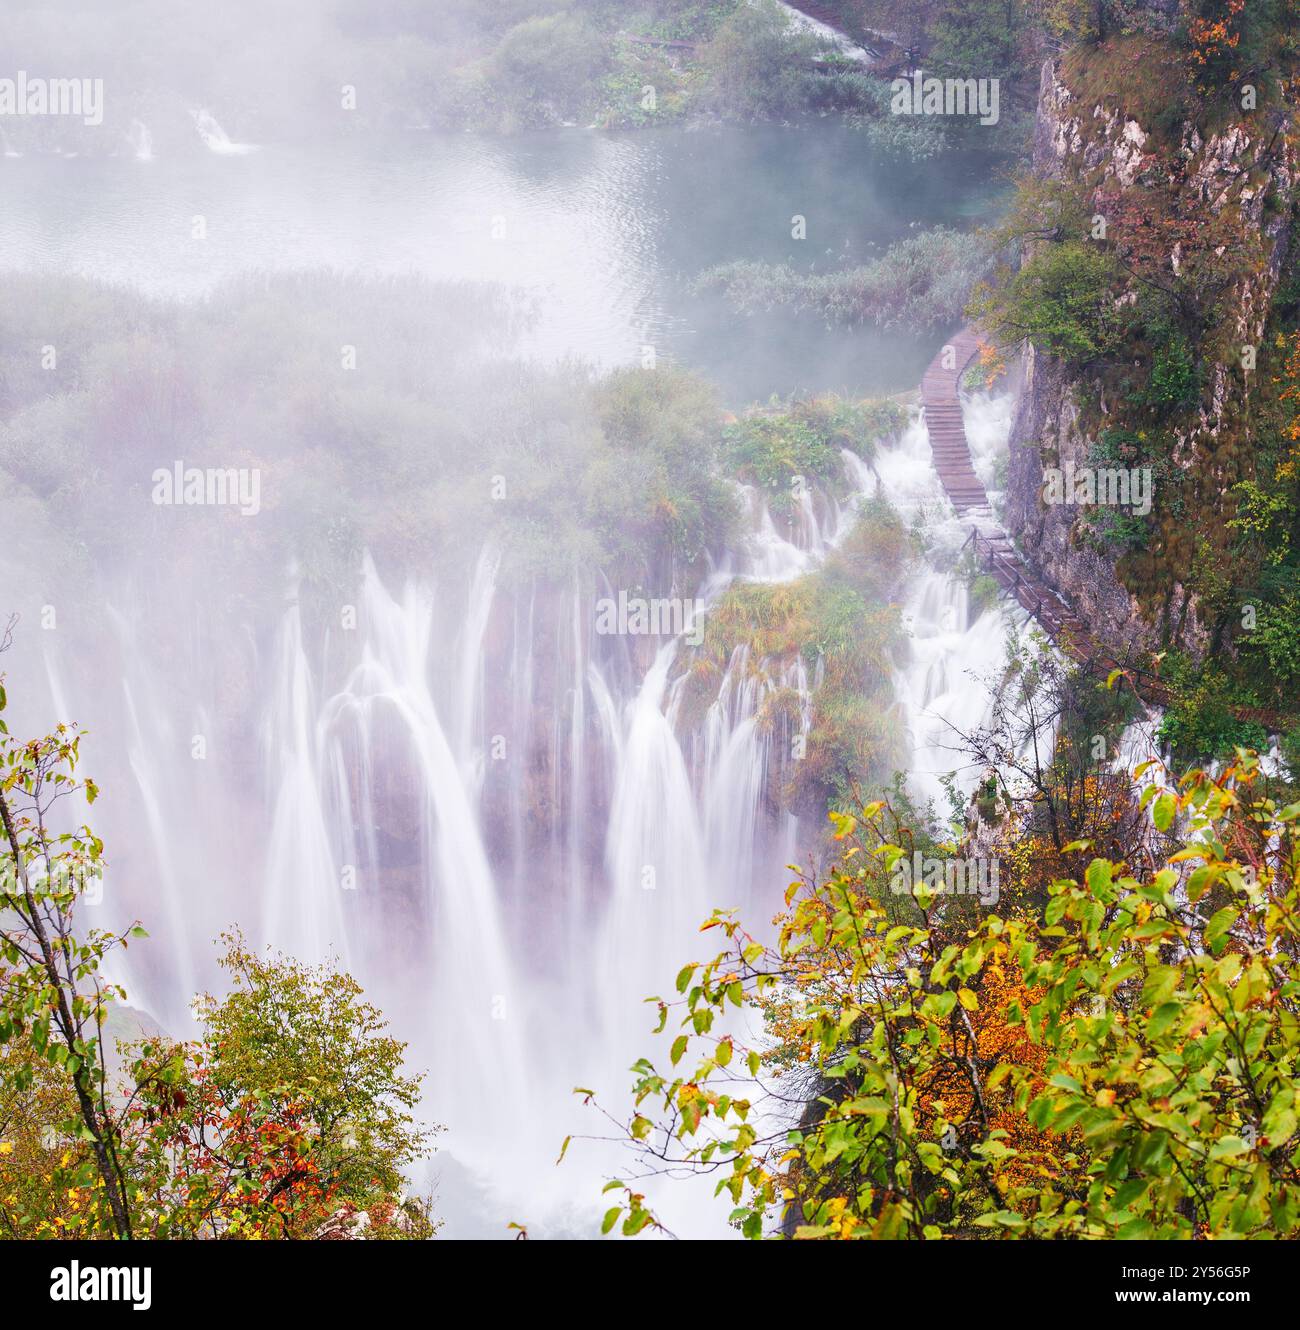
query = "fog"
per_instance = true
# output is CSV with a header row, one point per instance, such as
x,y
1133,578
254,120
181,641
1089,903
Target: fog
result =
x,y
340,388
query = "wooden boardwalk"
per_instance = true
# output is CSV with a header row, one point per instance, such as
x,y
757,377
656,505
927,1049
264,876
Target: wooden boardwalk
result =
x,y
940,397
941,400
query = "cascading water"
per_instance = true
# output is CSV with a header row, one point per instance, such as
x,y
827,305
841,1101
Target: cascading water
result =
x,y
141,141
387,714
510,827
943,689
655,850
735,758
303,905
845,45
215,139
680,815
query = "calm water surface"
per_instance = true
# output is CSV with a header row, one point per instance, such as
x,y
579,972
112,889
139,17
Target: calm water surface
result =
x,y
599,234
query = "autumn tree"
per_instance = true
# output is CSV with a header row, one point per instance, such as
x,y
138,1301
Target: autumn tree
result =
x,y
291,1110
1117,1064
52,999
291,1106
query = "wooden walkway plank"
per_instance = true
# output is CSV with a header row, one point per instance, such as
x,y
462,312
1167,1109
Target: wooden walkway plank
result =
x,y
950,452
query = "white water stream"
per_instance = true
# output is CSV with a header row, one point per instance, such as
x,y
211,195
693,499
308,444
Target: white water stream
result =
x,y
505,824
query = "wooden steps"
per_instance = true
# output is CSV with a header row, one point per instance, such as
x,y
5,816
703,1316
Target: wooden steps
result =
x,y
941,401
943,419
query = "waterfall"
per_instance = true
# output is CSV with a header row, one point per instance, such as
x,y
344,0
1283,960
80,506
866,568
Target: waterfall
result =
x,y
655,849
141,141
303,882
942,689
508,826
954,652
469,703
843,44
386,715
215,139
737,759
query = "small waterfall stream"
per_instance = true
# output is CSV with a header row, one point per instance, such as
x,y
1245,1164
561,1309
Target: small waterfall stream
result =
x,y
141,141
215,139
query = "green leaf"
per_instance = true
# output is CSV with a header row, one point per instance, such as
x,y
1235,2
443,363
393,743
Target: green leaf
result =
x,y
1216,931
1163,812
1163,1017
1279,1127
611,1218
1160,983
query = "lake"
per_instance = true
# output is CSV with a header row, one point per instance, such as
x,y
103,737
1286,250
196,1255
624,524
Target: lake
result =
x,y
599,235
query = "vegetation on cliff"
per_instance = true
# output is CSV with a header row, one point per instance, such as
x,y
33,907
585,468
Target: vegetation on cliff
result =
x,y
1156,268
844,623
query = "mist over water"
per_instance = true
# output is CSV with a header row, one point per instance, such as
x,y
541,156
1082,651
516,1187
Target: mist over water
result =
x,y
506,824
513,952
597,236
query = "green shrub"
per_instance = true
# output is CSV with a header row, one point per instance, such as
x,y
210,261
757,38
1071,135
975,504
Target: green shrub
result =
x,y
1276,641
756,68
1199,725
1175,380
1062,300
1290,749
984,593
803,442
921,282
547,69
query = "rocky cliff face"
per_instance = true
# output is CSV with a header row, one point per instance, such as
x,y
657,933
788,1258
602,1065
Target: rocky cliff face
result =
x,y
1246,166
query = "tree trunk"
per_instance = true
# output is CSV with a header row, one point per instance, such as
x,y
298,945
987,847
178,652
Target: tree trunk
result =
x,y
114,1184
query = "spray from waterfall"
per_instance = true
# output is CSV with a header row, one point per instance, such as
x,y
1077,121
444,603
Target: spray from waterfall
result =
x,y
215,139
141,141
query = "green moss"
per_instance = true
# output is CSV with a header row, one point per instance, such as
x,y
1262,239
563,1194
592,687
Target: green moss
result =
x,y
772,620
801,441
840,621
